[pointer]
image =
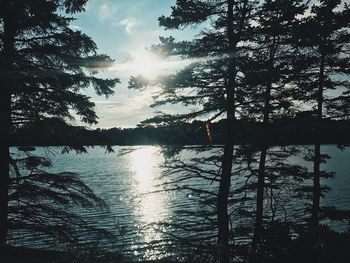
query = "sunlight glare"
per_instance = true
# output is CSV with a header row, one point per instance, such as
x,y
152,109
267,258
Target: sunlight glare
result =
x,y
148,64
143,162
144,62
150,208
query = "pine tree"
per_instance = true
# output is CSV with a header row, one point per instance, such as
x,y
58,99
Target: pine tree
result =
x,y
44,64
211,83
323,63
36,195
269,82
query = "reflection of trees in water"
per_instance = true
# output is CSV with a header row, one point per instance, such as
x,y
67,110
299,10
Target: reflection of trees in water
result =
x,y
288,197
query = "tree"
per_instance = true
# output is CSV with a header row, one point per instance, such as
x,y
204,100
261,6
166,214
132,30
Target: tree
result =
x,y
323,63
249,63
211,82
42,203
44,64
268,77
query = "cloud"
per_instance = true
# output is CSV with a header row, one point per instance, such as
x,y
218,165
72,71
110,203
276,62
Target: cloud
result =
x,y
128,24
127,110
107,11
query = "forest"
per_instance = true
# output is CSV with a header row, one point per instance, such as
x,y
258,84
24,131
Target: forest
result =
x,y
238,161
55,133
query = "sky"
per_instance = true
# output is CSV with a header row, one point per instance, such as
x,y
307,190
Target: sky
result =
x,y
124,29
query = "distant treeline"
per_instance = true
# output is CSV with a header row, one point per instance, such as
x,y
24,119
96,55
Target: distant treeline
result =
x,y
287,131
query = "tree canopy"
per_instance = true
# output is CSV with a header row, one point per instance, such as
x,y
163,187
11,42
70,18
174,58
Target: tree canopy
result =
x,y
45,65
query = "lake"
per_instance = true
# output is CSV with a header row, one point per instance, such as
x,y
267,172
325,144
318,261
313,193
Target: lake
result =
x,y
146,208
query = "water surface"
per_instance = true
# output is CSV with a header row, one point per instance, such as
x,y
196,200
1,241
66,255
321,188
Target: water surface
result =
x,y
130,181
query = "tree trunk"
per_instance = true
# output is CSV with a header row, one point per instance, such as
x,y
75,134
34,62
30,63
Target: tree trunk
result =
x,y
4,164
259,206
222,205
316,187
6,76
225,180
317,157
316,191
257,235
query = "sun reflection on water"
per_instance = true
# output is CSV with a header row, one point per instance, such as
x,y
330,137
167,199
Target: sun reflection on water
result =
x,y
150,207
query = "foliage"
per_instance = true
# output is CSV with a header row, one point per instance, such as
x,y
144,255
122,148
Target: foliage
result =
x,y
45,65
50,62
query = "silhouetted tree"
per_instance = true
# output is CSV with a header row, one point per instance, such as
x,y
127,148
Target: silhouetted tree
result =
x,y
243,67
43,65
269,80
211,82
194,172
323,63
43,203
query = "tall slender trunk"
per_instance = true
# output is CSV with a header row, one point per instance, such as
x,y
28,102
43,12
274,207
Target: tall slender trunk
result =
x,y
257,235
317,157
222,204
225,180
316,191
4,164
5,121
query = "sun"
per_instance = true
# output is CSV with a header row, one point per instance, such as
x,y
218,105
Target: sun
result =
x,y
144,62
148,64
